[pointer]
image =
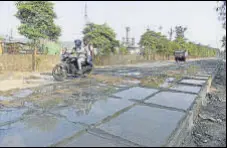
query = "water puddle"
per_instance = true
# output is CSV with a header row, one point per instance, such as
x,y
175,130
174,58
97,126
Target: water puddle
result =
x,y
11,114
39,130
46,89
130,74
131,81
72,96
22,93
102,85
2,98
89,112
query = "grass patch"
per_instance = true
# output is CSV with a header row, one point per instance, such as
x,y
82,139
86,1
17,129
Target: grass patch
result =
x,y
156,81
8,103
109,90
192,70
5,103
176,76
67,91
153,81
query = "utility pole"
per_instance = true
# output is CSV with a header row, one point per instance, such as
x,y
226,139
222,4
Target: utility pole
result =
x,y
127,35
148,28
171,34
86,15
123,41
11,33
160,28
133,41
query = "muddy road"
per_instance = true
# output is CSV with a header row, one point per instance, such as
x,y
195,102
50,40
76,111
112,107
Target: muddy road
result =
x,y
57,114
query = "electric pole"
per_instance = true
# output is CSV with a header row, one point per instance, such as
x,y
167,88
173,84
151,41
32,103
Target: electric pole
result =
x,y
86,15
127,35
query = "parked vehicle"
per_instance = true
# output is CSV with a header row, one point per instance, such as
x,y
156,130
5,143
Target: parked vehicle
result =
x,y
180,55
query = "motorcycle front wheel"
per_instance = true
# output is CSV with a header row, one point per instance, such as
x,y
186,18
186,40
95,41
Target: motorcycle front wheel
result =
x,y
59,73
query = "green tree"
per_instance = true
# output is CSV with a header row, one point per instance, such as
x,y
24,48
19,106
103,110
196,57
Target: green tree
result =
x,y
222,17
123,50
180,30
190,46
153,42
37,22
1,38
224,42
180,38
172,46
102,37
221,9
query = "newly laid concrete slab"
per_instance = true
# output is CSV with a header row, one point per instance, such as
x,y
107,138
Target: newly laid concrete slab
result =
x,y
90,113
193,81
39,130
90,140
137,93
173,99
186,88
144,125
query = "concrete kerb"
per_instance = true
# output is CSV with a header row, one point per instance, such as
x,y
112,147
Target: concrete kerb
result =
x,y
196,78
187,122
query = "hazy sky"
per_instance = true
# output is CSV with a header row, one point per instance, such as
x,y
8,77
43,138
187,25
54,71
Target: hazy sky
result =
x,y
200,18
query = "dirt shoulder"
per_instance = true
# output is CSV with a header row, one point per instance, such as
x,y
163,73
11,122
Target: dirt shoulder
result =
x,y
20,80
210,129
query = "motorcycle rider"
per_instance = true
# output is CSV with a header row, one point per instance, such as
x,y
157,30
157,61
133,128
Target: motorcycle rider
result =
x,y
89,52
83,54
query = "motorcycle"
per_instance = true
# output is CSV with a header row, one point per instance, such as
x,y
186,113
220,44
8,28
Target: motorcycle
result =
x,y
69,67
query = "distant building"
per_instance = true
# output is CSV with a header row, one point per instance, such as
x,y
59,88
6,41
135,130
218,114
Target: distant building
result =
x,y
134,50
12,46
129,43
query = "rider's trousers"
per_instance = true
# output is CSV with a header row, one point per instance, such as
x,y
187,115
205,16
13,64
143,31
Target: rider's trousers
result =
x,y
79,62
